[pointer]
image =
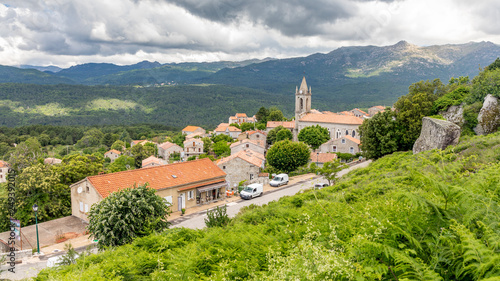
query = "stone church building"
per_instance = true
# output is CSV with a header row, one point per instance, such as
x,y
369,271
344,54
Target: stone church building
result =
x,y
337,124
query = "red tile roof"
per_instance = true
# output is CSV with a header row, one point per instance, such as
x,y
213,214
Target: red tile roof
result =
x,y
256,131
191,128
233,129
3,164
285,124
222,127
332,118
360,111
379,107
178,175
352,139
114,151
250,156
166,145
323,157
137,141
241,142
241,115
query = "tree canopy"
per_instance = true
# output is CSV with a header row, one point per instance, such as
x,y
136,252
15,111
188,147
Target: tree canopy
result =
x,y
127,214
380,135
314,136
287,156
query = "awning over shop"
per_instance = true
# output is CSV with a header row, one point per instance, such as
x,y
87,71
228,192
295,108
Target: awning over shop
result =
x,y
212,186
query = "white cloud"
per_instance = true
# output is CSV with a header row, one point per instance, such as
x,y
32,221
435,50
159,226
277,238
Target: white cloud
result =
x,y
66,32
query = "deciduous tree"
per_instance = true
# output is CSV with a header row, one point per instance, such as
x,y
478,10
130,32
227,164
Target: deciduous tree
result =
x,y
380,135
287,156
314,136
127,214
330,170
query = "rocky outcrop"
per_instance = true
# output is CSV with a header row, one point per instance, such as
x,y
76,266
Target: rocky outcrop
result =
x,y
488,119
454,114
436,134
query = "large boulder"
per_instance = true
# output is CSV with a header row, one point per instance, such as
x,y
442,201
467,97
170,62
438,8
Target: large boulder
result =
x,y
454,114
488,119
436,134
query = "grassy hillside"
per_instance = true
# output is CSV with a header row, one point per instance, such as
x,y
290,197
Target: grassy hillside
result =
x,y
430,216
178,106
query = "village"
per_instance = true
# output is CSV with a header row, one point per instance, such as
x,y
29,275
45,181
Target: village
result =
x,y
192,183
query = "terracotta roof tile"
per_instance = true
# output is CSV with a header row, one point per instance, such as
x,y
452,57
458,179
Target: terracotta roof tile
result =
x,y
137,141
379,107
191,128
3,164
159,177
285,124
332,118
352,139
166,145
244,141
152,160
250,156
222,127
241,115
114,151
256,131
323,157
233,129
361,111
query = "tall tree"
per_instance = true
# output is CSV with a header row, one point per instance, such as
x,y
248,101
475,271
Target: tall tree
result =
x,y
284,134
221,148
262,115
380,135
314,136
75,167
275,114
247,126
287,156
127,214
25,154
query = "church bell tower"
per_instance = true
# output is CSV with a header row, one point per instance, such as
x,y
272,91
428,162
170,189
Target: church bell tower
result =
x,y
302,103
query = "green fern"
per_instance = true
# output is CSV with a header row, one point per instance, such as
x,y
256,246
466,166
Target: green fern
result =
x,y
413,268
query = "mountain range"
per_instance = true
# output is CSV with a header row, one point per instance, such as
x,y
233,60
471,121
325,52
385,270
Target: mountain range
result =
x,y
345,78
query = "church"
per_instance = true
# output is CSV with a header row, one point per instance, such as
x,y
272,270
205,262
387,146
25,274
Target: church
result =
x,y
339,125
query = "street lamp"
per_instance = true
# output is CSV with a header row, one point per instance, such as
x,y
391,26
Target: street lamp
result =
x,y
35,209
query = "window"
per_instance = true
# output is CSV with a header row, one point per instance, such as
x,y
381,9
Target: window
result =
x,y
334,148
353,133
194,144
223,167
342,141
86,208
346,132
169,200
88,189
1,176
199,149
339,134
251,176
190,194
351,150
257,136
81,206
247,145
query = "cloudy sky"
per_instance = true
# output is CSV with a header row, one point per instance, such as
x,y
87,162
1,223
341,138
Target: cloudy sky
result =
x,y
69,32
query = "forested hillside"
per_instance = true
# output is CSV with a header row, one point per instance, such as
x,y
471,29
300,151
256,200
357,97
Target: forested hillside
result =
x,y
430,216
178,106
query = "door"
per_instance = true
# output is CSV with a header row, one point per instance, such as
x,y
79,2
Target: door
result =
x,y
182,200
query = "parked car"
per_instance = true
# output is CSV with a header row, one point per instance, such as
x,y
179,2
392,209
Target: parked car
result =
x,y
320,185
278,180
251,191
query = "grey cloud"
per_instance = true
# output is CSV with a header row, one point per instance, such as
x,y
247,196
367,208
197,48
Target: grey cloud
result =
x,y
290,17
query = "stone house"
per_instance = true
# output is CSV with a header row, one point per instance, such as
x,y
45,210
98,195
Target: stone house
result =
x,y
260,137
243,165
152,161
345,144
4,171
192,129
193,147
225,129
359,113
247,144
241,118
112,154
375,109
167,148
183,185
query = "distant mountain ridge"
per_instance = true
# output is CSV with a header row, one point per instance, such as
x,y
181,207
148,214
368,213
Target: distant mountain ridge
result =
x,y
347,77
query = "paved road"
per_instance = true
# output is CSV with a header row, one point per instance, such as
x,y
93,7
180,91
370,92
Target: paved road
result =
x,y
197,220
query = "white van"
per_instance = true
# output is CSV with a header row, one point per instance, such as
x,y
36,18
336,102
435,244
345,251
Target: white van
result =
x,y
251,191
278,180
